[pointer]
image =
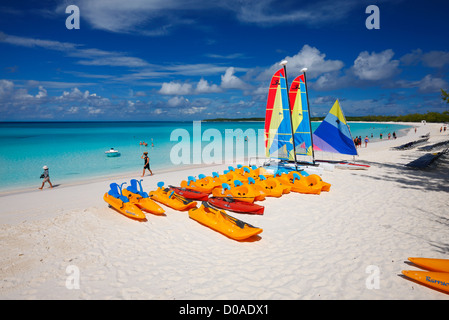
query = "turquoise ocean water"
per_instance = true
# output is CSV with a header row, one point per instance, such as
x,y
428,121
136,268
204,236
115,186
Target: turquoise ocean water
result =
x,y
74,151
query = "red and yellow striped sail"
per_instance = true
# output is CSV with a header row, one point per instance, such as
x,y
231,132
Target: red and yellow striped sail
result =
x,y
278,130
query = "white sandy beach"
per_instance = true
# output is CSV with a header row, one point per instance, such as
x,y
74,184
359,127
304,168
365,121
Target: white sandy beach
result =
x,y
312,247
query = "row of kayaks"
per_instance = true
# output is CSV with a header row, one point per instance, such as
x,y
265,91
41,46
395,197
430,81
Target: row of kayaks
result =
x,y
251,184
237,190
135,204
435,276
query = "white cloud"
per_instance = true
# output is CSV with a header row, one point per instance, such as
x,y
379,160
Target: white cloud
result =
x,y
129,16
199,69
89,56
308,57
436,59
140,94
73,110
158,111
324,100
142,69
22,94
375,66
75,93
314,60
270,12
93,110
31,42
228,57
6,87
177,101
431,84
204,87
412,58
158,17
10,94
193,110
78,97
114,60
433,59
176,88
42,93
230,81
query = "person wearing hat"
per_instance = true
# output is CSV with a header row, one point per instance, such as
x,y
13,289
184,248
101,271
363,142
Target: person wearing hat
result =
x,y
146,163
46,177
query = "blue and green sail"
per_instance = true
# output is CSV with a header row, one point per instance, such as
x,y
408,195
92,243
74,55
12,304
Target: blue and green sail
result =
x,y
333,134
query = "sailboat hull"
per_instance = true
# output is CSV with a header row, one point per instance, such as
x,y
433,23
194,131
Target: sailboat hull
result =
x,y
343,164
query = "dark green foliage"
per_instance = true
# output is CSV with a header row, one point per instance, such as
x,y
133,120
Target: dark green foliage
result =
x,y
445,95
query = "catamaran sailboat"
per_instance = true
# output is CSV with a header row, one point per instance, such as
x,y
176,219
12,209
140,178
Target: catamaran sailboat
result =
x,y
289,142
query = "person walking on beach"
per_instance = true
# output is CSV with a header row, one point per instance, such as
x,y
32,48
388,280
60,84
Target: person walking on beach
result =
x,y
146,163
366,141
46,177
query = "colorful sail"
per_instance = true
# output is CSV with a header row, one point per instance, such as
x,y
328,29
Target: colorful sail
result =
x,y
300,117
333,134
278,130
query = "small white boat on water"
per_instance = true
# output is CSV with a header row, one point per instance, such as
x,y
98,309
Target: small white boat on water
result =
x,y
112,153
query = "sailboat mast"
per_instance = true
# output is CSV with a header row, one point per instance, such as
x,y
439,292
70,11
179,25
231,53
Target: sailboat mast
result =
x,y
284,63
303,70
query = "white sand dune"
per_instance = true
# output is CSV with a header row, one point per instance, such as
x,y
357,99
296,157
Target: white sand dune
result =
x,y
324,246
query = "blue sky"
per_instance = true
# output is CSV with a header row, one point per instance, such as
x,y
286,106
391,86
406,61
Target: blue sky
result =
x,y
198,59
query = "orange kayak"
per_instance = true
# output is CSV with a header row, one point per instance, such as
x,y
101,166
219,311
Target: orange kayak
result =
x,y
169,198
435,280
144,203
203,184
301,184
436,265
116,200
221,222
241,192
126,208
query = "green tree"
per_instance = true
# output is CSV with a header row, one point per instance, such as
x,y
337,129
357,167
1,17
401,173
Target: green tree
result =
x,y
445,95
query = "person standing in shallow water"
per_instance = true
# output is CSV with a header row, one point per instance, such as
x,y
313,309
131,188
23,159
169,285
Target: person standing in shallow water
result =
x,y
46,177
146,165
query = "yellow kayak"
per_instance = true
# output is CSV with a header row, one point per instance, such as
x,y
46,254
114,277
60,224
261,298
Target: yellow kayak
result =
x,y
241,192
122,204
435,280
135,194
144,203
221,222
437,265
203,184
169,198
311,184
271,186
253,171
227,177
